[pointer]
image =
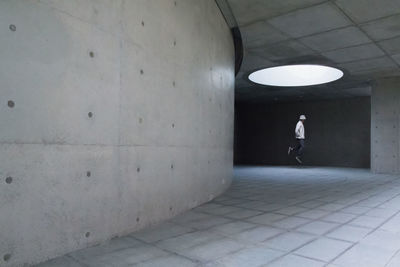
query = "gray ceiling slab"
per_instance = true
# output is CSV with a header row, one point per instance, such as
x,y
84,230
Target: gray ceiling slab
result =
x,y
385,28
366,10
347,83
382,73
354,53
336,39
396,58
361,37
310,20
261,33
252,62
242,83
375,64
284,50
391,46
362,91
248,11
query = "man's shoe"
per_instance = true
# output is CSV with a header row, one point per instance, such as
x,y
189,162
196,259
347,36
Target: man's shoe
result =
x,y
298,160
290,150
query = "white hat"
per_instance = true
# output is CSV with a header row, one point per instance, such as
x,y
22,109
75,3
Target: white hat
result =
x,y
302,117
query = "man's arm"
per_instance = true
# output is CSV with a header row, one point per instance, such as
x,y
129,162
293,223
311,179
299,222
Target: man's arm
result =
x,y
297,130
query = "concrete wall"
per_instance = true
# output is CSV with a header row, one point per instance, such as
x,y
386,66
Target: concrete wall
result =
x,y
385,123
337,133
114,115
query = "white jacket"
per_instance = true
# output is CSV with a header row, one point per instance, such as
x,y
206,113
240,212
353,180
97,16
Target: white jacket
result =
x,y
299,131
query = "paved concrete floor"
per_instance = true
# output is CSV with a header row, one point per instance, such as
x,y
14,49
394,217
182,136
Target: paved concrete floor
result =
x,y
272,216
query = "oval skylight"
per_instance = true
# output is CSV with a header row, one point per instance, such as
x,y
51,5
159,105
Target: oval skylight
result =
x,y
296,75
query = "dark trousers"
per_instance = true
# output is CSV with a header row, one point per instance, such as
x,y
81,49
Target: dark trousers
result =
x,y
300,147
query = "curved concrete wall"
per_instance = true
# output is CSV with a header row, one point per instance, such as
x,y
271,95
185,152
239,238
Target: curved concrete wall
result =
x,y
114,115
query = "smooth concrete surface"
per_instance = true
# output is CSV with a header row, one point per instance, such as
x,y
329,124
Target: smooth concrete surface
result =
x,y
114,115
337,133
385,123
271,216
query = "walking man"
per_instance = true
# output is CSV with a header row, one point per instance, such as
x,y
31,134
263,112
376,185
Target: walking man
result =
x,y
300,136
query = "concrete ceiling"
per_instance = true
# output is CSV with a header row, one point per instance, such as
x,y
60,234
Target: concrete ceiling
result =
x,y
360,37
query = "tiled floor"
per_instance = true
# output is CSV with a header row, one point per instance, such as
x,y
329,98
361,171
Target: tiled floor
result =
x,y
272,216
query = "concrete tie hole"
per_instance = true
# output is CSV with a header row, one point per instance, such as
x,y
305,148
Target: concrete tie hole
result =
x,y
138,169
142,23
91,54
12,27
10,104
141,72
173,125
90,114
88,174
9,180
87,234
172,166
137,219
140,120
7,257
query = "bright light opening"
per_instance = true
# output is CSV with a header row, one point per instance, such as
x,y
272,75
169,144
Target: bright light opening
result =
x,y
296,75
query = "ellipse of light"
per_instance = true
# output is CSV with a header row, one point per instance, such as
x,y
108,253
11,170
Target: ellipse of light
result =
x,y
296,75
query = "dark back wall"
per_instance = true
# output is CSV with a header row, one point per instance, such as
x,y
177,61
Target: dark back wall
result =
x,y
337,132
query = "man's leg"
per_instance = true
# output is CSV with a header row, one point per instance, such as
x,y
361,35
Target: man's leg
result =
x,y
291,148
299,149
297,146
